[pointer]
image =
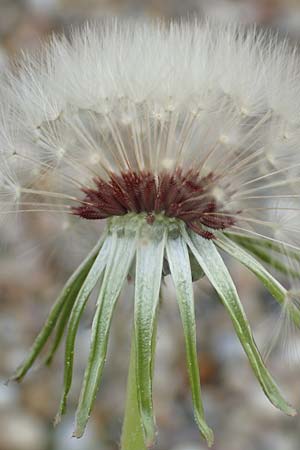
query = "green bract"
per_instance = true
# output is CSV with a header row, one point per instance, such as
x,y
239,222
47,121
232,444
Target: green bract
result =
x,y
132,245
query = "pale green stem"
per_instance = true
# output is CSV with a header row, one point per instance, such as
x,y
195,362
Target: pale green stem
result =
x,y
132,433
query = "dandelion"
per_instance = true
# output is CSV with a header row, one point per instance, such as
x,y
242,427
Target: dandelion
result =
x,y
182,141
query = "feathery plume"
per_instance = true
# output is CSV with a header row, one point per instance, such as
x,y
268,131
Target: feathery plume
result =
x,y
182,140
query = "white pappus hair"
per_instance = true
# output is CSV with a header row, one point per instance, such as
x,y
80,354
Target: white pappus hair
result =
x,y
149,97
193,121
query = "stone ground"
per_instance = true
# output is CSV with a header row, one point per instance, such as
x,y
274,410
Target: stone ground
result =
x,y
31,274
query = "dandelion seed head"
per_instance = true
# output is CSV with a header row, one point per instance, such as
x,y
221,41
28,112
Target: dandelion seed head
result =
x,y
212,104
178,140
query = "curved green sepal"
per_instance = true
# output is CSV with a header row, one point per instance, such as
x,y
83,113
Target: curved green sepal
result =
x,y
178,257
266,251
120,256
212,264
68,293
132,430
80,302
149,264
65,314
273,286
265,243
62,323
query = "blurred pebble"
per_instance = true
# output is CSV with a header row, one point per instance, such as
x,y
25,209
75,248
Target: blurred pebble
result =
x,y
8,395
3,58
63,439
20,431
235,406
189,447
42,6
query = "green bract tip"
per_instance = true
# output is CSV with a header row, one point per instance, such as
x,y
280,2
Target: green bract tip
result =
x,y
132,240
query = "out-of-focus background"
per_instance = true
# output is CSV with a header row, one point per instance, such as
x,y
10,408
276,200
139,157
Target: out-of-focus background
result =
x,y
31,276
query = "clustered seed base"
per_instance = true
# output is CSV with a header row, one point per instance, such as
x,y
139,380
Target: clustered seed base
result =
x,y
182,195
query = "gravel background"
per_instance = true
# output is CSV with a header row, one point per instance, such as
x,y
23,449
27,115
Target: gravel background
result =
x,y
33,268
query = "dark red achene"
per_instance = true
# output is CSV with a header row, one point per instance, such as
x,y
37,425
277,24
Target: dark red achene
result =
x,y
185,196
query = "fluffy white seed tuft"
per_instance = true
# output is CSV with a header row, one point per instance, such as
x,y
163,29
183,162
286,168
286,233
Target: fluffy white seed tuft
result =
x,y
118,97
